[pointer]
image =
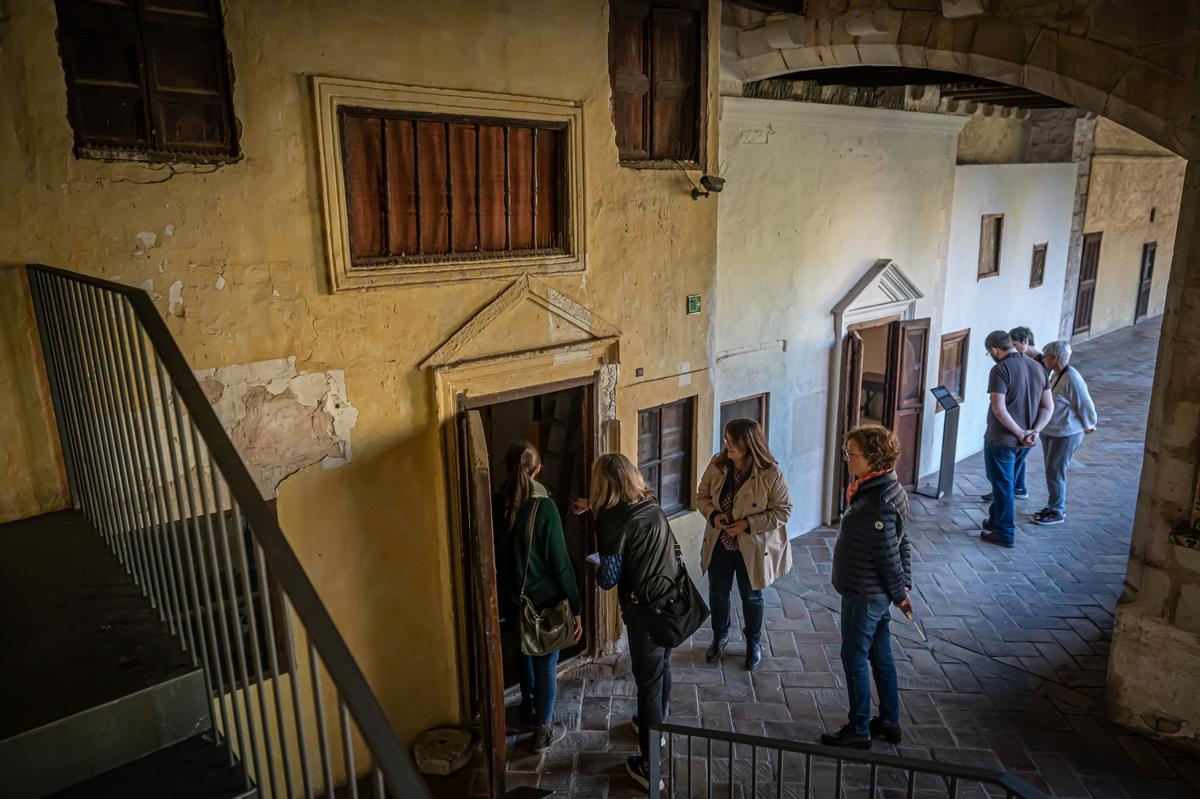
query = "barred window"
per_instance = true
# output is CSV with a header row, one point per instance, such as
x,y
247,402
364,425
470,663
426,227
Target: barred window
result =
x,y
423,188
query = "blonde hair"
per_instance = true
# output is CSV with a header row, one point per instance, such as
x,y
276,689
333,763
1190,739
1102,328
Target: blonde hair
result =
x,y
522,461
615,480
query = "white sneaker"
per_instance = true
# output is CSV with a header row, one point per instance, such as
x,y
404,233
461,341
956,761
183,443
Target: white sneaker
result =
x,y
662,739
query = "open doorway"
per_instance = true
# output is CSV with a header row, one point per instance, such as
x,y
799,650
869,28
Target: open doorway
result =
x,y
883,382
559,421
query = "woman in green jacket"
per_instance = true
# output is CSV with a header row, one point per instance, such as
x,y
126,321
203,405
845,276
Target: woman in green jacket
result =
x,y
532,559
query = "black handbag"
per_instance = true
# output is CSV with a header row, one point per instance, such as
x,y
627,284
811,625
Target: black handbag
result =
x,y
677,610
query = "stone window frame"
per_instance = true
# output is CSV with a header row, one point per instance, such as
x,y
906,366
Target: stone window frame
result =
x,y
331,95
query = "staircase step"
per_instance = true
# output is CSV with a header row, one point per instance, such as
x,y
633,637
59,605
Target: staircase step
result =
x,y
193,769
90,678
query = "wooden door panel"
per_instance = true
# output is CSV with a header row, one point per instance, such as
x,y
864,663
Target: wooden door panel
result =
x,y
908,356
1085,297
485,622
1146,279
848,414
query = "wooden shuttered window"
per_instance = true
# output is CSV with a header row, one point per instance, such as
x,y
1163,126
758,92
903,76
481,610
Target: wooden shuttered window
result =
x,y
952,365
665,443
147,79
1037,269
991,230
424,188
656,55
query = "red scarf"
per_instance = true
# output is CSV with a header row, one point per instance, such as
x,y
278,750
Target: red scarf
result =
x,y
852,489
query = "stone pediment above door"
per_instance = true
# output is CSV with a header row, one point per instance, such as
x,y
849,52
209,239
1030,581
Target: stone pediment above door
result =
x,y
528,318
883,288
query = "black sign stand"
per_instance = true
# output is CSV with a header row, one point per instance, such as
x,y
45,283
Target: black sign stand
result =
x,y
945,484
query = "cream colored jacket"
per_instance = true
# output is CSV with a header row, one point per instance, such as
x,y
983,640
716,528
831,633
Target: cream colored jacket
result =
x,y
765,502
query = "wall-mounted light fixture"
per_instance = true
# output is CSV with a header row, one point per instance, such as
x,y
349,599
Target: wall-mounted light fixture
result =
x,y
709,184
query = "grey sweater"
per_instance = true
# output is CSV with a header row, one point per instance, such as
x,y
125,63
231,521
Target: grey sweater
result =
x,y
1074,410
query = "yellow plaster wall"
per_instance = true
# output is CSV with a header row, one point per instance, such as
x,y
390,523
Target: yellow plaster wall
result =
x,y
1130,175
244,243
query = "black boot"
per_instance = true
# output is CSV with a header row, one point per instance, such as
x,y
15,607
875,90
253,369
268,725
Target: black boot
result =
x,y
753,656
718,646
847,737
885,730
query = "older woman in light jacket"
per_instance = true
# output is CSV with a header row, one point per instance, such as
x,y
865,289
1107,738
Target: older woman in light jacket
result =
x,y
745,499
1074,416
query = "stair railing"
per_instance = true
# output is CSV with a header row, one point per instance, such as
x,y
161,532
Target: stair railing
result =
x,y
785,768
152,467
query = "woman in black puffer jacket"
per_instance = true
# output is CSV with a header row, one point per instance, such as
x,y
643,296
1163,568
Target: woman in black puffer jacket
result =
x,y
871,571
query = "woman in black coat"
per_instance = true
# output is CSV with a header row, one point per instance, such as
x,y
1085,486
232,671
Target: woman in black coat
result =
x,y
871,571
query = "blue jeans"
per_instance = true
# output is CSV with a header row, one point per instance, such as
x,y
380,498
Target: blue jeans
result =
x,y
1019,478
867,639
1058,452
722,567
1000,464
539,684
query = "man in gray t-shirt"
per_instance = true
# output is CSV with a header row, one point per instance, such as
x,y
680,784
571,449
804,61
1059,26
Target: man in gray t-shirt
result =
x,y
1020,406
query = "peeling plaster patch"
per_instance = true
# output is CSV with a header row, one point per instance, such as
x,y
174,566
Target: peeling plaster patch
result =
x,y
220,282
146,241
169,231
274,292
175,300
282,420
756,135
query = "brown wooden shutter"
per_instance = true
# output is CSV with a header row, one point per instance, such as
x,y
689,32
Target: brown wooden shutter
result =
x,y
492,179
401,187
675,61
629,71
991,230
432,174
550,168
103,61
463,173
150,76
1037,270
520,188
364,180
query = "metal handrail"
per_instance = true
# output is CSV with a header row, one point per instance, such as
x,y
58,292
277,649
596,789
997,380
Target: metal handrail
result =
x,y
92,353
951,773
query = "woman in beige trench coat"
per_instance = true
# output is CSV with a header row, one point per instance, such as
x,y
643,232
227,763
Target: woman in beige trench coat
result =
x,y
745,499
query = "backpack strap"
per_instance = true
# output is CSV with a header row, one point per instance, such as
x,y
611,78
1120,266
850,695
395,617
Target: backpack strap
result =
x,y
529,536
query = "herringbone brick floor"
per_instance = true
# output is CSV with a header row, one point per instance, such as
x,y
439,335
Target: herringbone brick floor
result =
x,y
1013,675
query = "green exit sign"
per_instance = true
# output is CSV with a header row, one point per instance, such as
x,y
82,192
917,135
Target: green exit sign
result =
x,y
693,304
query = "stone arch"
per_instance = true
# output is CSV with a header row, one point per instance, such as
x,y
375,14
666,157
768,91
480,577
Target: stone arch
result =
x,y
1109,61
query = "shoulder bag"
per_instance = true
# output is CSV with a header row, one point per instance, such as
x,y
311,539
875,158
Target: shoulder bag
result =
x,y
549,630
671,610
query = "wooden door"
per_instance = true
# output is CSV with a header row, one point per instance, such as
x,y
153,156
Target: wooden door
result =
x,y
1149,250
908,353
848,414
1086,295
485,611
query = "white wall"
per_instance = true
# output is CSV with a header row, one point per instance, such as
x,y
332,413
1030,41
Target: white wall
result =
x,y
1037,202
815,195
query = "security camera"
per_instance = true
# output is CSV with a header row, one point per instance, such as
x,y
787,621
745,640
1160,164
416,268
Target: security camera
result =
x,y
711,185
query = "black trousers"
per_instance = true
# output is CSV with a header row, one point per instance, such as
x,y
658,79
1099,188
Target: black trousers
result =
x,y
723,566
651,665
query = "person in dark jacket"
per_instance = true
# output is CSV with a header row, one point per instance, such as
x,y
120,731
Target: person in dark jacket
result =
x,y
636,544
538,566
871,571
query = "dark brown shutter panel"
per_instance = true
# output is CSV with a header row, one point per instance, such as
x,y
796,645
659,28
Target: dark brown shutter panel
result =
x,y
102,59
431,183
629,72
462,187
491,187
674,34
550,166
401,188
520,188
364,176
187,82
